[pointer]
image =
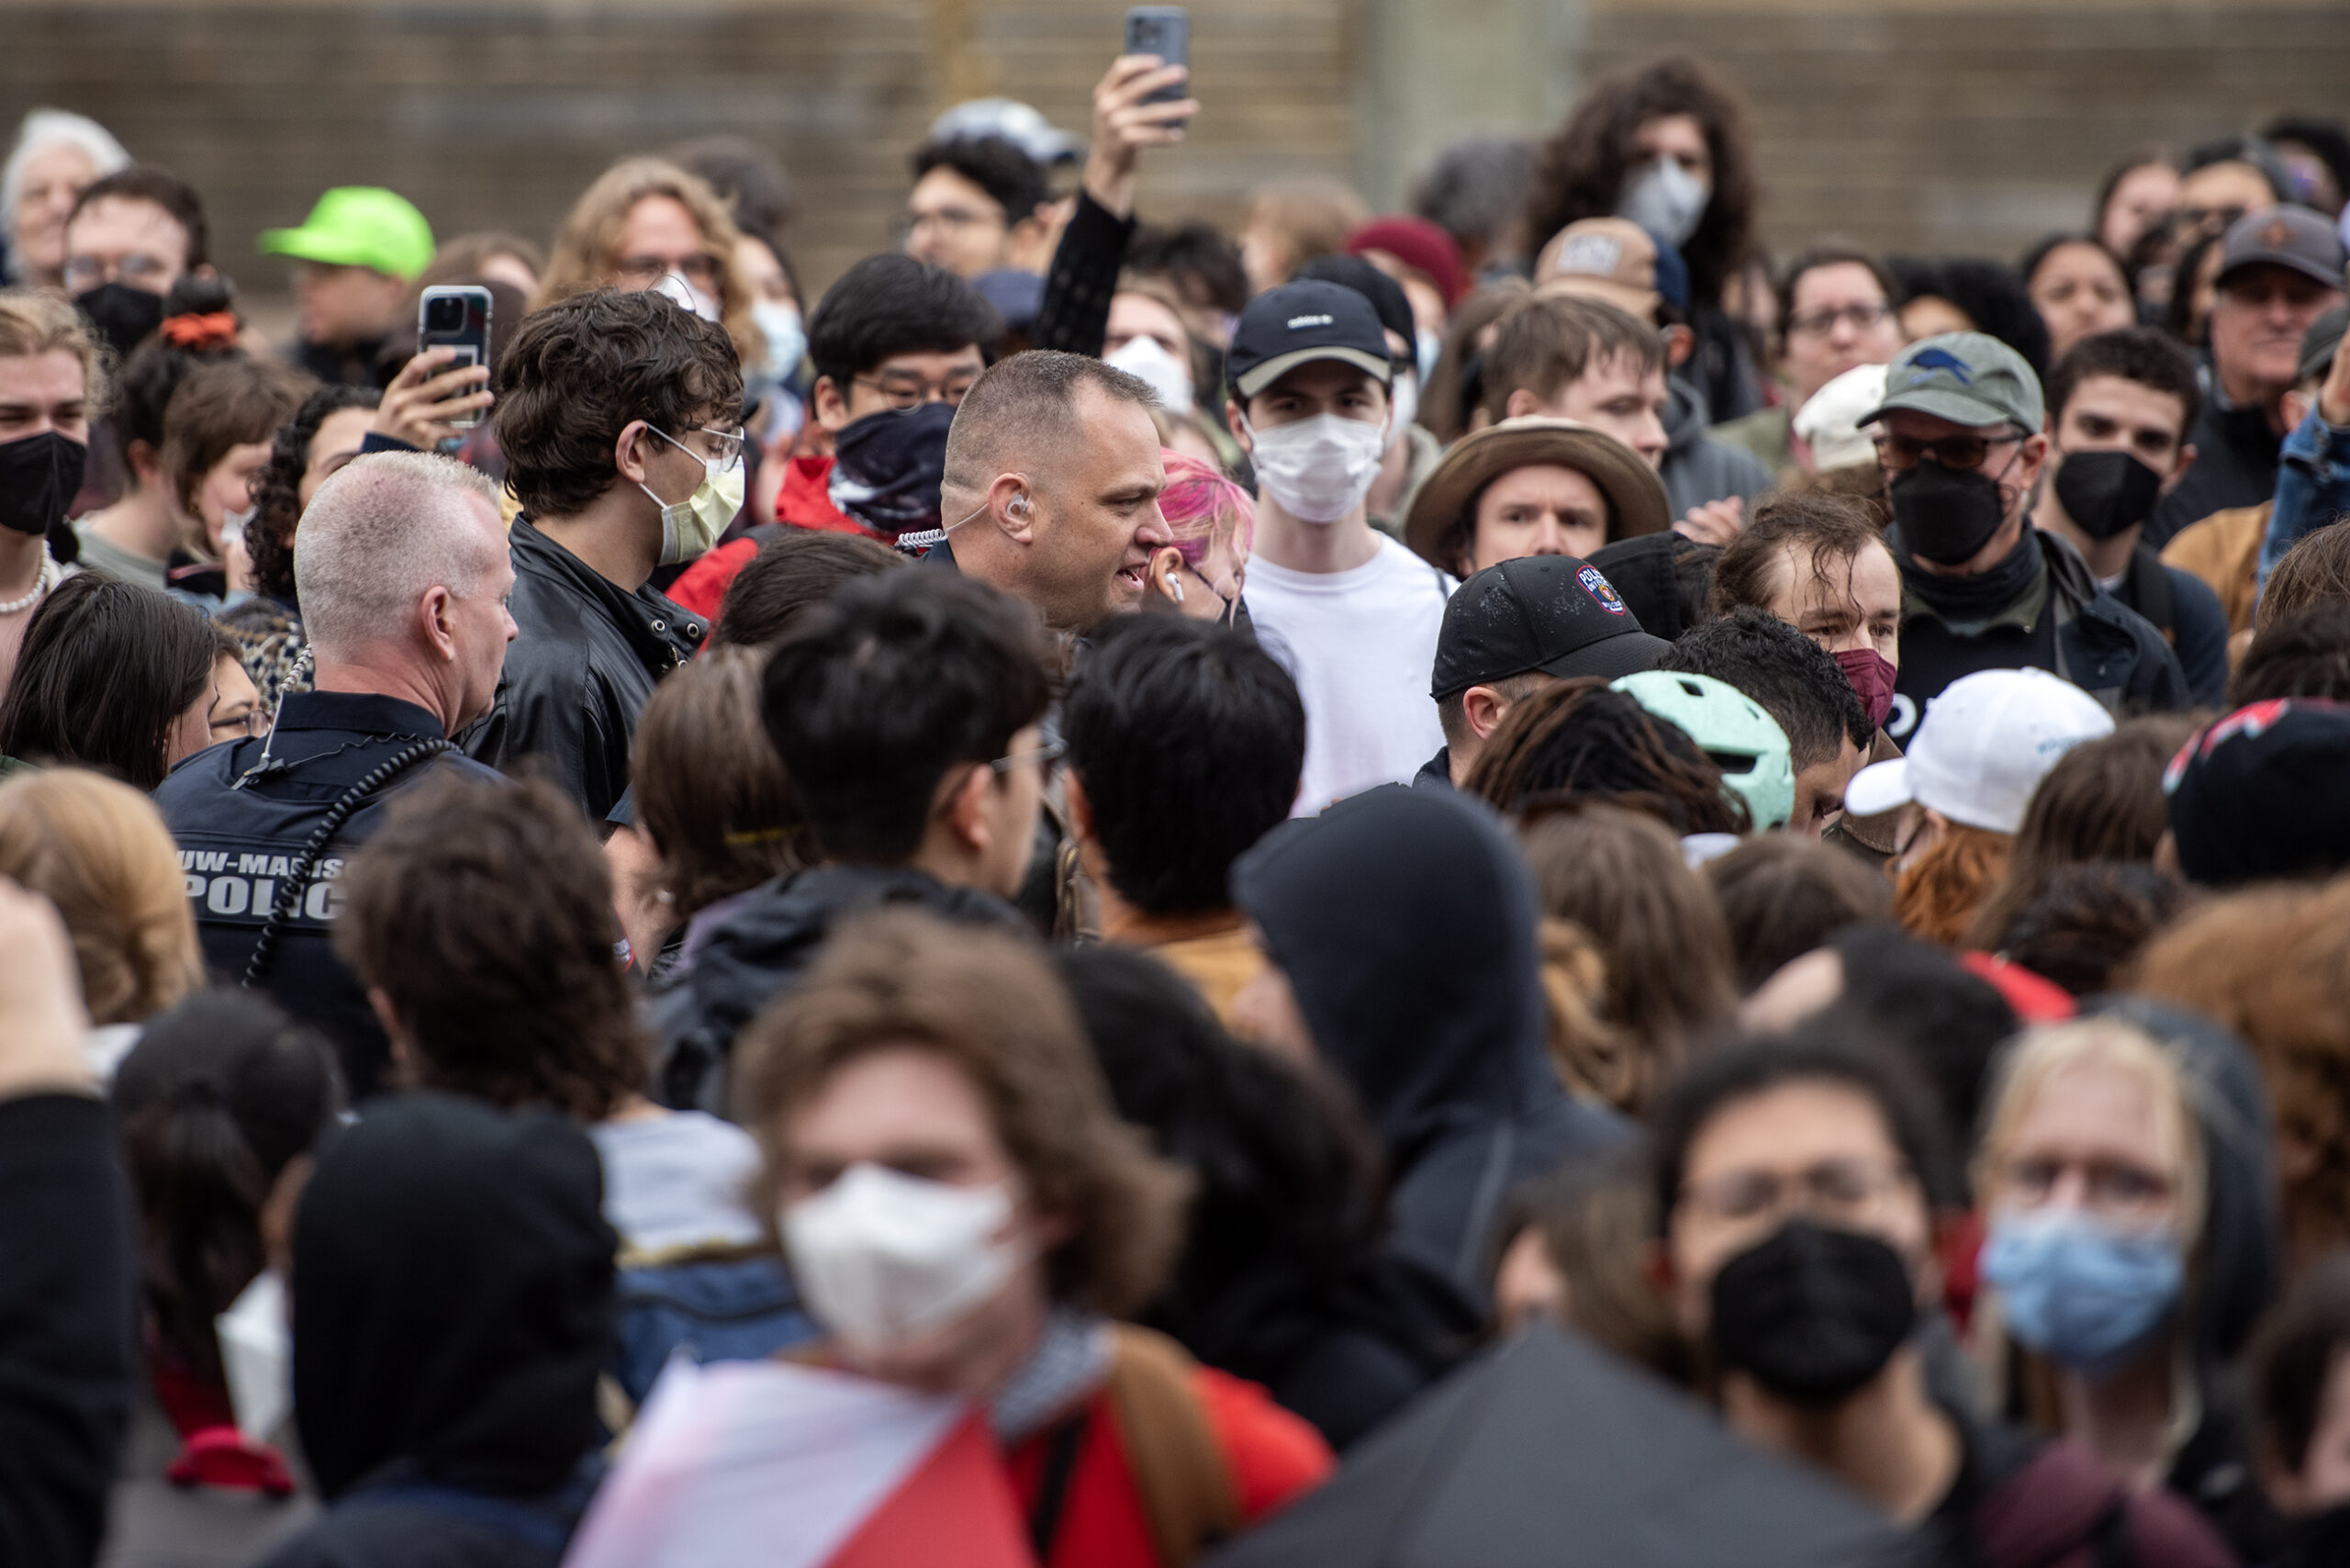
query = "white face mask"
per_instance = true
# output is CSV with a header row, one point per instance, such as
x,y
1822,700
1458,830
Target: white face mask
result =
x,y
1169,376
1405,399
1429,348
1665,199
884,1258
1319,470
257,1354
785,334
688,528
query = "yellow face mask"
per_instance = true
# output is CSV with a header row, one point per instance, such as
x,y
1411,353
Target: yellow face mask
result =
x,y
688,528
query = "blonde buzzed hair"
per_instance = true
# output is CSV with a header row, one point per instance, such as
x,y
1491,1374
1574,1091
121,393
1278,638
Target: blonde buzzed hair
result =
x,y
383,532
35,322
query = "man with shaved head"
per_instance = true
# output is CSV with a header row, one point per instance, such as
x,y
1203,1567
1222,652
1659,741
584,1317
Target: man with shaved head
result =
x,y
1052,483
402,567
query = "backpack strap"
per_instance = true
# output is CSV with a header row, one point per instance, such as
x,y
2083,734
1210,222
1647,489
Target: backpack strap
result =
x,y
1189,1496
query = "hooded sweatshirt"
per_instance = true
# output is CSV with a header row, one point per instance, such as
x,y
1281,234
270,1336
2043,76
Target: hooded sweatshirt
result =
x,y
1407,923
759,951
452,1307
1697,468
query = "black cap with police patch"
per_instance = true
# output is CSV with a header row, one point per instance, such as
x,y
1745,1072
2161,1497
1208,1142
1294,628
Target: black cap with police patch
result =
x,y
1551,614
1298,323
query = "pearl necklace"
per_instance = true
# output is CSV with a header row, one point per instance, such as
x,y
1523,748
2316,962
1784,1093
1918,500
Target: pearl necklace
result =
x,y
49,575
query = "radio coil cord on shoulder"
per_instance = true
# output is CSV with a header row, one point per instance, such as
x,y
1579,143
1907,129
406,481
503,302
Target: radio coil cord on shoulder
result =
x,y
298,880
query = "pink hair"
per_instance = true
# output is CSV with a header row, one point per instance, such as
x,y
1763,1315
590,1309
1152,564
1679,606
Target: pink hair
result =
x,y
1201,506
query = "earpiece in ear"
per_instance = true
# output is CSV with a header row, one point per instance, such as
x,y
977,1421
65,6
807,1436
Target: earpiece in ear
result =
x,y
1019,507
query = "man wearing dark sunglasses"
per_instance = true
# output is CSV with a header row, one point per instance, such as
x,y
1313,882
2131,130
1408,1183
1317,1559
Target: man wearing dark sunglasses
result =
x,y
1959,440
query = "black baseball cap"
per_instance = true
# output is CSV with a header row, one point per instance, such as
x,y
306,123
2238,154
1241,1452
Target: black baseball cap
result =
x,y
1553,615
1297,323
2258,795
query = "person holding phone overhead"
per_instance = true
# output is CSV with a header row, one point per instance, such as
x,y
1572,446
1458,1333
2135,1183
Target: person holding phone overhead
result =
x,y
1140,102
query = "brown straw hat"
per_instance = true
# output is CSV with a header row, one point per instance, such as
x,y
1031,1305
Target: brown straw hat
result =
x,y
1636,503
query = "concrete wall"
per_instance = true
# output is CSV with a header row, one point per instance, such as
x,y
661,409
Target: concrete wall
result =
x,y
1951,125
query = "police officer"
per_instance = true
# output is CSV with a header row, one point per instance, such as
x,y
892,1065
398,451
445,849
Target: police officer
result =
x,y
403,573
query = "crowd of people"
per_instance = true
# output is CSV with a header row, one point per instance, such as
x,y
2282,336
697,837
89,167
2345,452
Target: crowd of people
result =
x,y
1094,898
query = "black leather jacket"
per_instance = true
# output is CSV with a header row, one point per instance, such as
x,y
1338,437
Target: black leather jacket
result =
x,y
584,658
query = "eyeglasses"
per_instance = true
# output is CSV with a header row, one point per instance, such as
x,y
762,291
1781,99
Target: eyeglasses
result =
x,y
136,269
1820,323
953,220
252,721
907,393
1959,453
2108,1187
726,446
1046,757
701,268
1846,1191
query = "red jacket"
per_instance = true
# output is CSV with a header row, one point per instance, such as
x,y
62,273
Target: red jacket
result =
x,y
805,501
1272,1456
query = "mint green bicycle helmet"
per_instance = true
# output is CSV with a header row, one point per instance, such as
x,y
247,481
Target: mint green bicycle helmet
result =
x,y
1744,741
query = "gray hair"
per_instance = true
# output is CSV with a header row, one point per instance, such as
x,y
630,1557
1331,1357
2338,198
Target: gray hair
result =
x,y
1476,187
382,532
47,128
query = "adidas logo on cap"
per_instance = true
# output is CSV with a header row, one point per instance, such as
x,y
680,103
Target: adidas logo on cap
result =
x,y
1297,321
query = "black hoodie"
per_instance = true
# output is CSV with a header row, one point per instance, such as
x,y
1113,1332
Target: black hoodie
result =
x,y
1406,923
452,1307
761,950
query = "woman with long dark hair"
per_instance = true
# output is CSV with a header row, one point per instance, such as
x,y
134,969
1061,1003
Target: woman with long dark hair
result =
x,y
111,676
1665,145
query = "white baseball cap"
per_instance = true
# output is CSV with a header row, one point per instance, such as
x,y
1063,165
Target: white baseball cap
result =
x,y
1982,747
1829,420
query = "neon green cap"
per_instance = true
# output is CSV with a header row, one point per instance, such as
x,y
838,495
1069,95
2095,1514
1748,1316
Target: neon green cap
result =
x,y
359,226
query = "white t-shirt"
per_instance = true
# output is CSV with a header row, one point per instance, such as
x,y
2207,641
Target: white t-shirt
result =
x,y
1362,644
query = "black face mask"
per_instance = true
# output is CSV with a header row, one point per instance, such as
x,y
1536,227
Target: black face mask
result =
x,y
1944,517
887,467
2106,492
1812,1314
39,477
123,315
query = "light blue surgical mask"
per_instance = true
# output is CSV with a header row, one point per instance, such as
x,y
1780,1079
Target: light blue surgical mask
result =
x,y
2079,1290
1428,347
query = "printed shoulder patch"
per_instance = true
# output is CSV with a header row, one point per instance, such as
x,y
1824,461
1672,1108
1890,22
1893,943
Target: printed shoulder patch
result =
x,y
1595,583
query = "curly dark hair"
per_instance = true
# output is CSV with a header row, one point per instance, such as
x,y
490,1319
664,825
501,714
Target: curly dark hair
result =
x,y
582,369
1578,741
278,489
1580,171
482,909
